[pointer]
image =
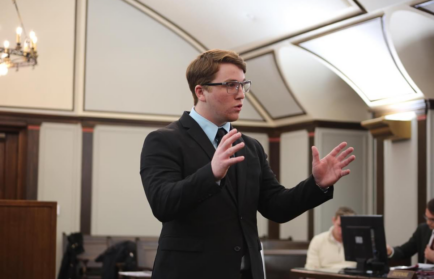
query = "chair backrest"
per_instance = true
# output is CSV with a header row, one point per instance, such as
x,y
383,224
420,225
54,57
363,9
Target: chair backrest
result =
x,y
93,247
113,240
279,262
271,244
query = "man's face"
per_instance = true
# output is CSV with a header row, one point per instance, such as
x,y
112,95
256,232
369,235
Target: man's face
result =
x,y
219,106
429,219
337,230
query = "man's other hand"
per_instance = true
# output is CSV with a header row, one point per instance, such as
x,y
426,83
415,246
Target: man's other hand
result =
x,y
329,169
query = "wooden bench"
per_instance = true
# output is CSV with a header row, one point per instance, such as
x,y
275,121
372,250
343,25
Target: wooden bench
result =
x,y
96,245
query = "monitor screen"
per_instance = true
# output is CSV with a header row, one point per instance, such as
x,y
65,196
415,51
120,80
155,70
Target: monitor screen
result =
x,y
364,242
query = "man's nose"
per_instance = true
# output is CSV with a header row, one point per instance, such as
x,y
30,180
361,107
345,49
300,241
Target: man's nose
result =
x,y
240,93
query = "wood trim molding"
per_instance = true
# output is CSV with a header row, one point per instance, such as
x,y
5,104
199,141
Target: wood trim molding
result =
x,y
379,176
274,157
33,134
421,168
430,104
29,119
86,180
310,214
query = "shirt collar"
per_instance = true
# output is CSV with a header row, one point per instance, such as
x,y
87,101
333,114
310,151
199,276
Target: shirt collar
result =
x,y
209,128
331,237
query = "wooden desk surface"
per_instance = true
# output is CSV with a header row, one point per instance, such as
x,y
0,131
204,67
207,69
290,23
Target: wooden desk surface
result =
x,y
306,273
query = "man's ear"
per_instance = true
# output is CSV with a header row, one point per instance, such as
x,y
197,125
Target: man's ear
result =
x,y
199,91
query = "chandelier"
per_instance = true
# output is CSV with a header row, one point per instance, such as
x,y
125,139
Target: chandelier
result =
x,y
24,53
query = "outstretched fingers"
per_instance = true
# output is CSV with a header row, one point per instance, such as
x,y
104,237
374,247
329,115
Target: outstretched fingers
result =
x,y
345,153
229,139
347,161
345,172
337,149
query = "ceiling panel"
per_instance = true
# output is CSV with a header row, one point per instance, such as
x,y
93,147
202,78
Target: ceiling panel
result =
x,y
360,54
269,87
412,34
427,7
249,112
229,24
372,5
322,93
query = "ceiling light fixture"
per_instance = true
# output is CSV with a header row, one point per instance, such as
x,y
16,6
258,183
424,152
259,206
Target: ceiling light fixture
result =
x,y
24,53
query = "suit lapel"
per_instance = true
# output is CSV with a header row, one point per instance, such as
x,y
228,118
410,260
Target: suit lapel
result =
x,y
197,134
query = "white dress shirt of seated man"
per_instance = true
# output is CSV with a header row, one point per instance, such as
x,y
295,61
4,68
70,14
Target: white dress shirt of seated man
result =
x,y
326,251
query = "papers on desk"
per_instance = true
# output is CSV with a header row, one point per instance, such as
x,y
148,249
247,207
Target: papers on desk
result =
x,y
419,266
425,266
142,274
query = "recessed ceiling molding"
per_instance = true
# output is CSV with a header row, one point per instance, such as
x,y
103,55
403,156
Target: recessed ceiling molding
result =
x,y
270,88
427,7
167,23
360,54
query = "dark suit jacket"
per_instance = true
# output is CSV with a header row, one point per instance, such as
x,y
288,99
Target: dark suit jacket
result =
x,y
416,244
205,228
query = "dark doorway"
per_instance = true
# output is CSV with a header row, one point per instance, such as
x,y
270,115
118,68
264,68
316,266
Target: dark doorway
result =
x,y
12,155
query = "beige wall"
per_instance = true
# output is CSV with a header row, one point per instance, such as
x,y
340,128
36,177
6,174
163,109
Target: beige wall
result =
x,y
351,190
262,222
59,176
294,167
119,205
400,188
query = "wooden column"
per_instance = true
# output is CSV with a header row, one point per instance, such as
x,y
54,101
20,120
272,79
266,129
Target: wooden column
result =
x,y
33,133
421,167
380,176
86,178
274,146
310,215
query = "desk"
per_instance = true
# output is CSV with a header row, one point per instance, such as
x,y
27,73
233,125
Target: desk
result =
x,y
313,274
135,274
307,273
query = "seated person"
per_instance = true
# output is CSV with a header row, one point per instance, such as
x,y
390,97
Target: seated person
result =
x,y
326,250
421,242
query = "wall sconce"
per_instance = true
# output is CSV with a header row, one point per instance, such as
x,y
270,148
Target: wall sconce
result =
x,y
394,127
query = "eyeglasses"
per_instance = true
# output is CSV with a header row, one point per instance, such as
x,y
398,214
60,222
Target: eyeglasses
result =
x,y
428,219
232,87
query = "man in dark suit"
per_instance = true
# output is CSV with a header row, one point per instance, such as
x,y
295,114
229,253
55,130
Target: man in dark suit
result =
x,y
206,187
421,242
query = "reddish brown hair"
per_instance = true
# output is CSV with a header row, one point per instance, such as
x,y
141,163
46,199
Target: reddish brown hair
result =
x,y
204,68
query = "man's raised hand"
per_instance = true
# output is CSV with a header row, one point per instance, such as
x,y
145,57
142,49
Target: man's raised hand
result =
x,y
328,170
222,157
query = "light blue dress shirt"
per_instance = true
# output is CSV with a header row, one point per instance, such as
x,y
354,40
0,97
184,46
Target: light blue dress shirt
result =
x,y
208,127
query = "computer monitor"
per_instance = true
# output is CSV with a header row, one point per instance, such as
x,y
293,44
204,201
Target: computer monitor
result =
x,y
365,243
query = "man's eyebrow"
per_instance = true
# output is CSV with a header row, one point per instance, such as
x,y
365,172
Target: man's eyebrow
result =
x,y
234,80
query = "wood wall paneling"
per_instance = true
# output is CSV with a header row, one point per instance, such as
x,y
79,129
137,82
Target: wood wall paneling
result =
x,y
379,176
27,239
310,216
274,149
421,167
86,180
33,132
